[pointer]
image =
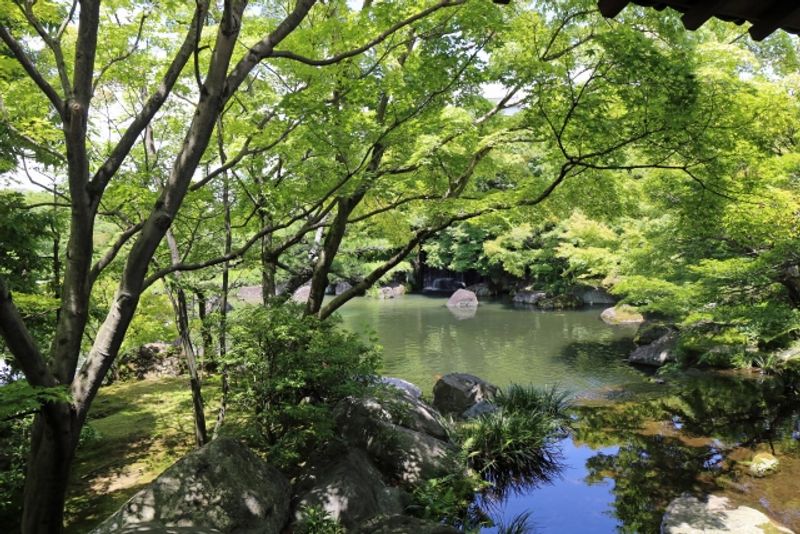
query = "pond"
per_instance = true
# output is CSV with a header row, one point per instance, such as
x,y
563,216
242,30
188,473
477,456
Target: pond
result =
x,y
637,443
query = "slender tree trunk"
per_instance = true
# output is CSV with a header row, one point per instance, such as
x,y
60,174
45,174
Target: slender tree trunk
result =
x,y
268,267
209,361
182,313
223,323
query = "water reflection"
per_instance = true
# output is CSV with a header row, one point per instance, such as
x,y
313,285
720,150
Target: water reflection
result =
x,y
692,439
636,444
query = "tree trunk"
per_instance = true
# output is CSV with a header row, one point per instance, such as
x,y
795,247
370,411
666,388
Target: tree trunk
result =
x,y
223,322
209,361
333,238
182,314
268,268
53,443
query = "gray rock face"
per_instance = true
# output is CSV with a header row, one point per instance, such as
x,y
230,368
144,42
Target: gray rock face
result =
x,y
301,294
403,385
351,491
481,290
650,331
621,315
479,409
341,287
592,295
222,486
403,524
402,435
462,298
456,393
656,353
390,292
529,297
714,515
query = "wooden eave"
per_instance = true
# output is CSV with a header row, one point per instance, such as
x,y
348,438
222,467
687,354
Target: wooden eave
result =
x,y
766,16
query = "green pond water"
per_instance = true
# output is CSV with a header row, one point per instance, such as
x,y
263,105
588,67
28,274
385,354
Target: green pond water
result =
x,y
636,444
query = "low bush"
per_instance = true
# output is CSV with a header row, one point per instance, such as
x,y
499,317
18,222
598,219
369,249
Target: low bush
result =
x,y
287,371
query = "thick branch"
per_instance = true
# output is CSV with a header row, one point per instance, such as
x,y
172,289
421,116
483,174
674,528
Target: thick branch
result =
x,y
20,341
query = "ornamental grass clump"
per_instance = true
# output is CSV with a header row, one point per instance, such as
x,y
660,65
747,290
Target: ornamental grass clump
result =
x,y
517,445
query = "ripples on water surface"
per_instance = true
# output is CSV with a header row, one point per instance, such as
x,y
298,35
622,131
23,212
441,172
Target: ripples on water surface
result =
x,y
627,459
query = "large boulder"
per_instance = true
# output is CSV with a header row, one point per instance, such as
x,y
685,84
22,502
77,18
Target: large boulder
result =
x,y
151,360
528,297
715,515
656,353
455,393
222,486
650,331
462,298
301,294
341,287
621,315
402,434
390,292
403,524
351,491
403,385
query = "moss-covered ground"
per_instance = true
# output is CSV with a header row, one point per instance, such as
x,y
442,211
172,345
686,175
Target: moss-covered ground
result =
x,y
136,430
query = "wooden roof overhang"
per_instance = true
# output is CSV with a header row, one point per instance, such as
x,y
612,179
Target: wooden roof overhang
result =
x,y
766,16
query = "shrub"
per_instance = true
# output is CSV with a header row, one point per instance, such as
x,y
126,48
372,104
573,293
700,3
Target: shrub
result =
x,y
517,445
287,370
14,443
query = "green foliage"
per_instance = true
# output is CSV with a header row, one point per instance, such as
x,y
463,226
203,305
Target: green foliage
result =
x,y
19,398
315,520
449,499
287,370
515,446
14,442
22,258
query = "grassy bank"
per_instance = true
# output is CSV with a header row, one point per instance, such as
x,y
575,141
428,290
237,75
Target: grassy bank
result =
x,y
137,429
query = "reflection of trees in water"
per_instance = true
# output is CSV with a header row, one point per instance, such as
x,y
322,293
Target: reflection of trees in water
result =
x,y
651,470
598,358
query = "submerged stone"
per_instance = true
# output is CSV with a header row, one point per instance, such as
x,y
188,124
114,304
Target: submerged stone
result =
x,y
715,515
656,353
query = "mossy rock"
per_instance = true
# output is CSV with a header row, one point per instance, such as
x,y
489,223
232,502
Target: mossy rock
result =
x,y
763,464
622,314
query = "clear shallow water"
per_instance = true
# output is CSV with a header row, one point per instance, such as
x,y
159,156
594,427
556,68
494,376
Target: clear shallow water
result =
x,y
626,459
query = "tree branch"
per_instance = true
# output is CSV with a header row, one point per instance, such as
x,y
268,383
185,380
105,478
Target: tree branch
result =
x,y
151,107
376,41
35,75
21,343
